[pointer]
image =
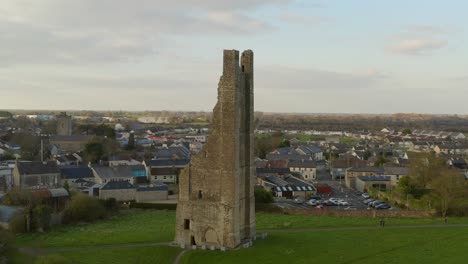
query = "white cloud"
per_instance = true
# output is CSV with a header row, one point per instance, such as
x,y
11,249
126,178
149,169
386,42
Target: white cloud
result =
x,y
416,40
77,31
417,46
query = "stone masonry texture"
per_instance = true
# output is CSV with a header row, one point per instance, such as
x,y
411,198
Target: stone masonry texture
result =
x,y
216,204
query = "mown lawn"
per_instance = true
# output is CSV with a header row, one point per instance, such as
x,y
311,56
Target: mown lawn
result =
x,y
280,221
158,226
143,255
377,246
414,245
134,227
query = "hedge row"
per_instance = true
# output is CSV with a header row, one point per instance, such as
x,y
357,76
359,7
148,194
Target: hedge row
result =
x,y
158,206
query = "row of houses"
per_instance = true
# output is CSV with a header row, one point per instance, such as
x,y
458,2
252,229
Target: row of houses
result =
x,y
146,181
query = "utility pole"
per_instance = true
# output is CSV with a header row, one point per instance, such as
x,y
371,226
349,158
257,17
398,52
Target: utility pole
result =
x,y
42,150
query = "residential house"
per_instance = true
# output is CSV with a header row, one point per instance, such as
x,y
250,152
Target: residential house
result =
x,y
165,170
6,178
173,152
307,169
68,159
395,173
78,177
364,183
125,191
131,173
36,174
122,160
339,166
353,173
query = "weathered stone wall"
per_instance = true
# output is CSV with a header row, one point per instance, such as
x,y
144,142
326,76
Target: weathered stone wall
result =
x,y
148,196
119,195
64,125
216,198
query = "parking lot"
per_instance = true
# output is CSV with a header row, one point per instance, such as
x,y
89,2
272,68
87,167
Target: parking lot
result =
x,y
340,191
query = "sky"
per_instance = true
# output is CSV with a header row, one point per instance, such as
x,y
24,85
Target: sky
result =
x,y
314,56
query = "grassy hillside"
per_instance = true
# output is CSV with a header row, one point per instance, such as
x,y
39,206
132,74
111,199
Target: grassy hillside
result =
x,y
399,246
396,245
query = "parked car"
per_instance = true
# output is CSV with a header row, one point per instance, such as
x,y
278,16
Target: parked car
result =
x,y
327,203
298,200
315,197
312,202
383,206
367,201
344,203
365,195
375,203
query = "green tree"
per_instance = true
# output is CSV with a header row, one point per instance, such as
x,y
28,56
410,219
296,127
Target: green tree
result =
x,y
448,190
263,196
131,141
84,208
66,186
406,131
6,245
94,151
380,161
367,155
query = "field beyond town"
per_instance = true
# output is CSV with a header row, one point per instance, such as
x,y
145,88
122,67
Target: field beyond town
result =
x,y
141,236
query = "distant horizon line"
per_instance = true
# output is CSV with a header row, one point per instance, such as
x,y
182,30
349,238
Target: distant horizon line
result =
x,y
258,111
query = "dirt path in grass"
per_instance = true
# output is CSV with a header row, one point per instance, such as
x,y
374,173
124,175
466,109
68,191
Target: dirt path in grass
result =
x,y
179,257
44,251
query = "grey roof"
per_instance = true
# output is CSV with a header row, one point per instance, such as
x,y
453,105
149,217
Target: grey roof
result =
x,y
374,178
296,182
37,167
75,172
122,171
167,162
78,138
396,170
179,152
59,192
117,185
276,180
302,164
272,171
272,156
153,188
286,150
366,169
310,149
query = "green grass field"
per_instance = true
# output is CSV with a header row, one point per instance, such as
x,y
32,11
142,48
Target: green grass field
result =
x,y
399,246
137,227
143,255
326,246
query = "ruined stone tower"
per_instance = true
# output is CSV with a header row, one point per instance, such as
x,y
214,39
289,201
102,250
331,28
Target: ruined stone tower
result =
x,y
216,205
64,124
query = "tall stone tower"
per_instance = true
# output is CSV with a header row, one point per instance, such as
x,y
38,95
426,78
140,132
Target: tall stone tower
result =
x,y
64,124
216,205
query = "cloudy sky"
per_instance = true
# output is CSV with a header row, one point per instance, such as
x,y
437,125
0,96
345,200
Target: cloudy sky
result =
x,y
345,56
